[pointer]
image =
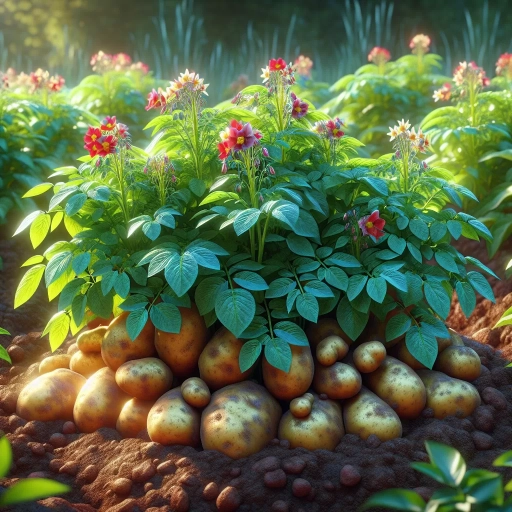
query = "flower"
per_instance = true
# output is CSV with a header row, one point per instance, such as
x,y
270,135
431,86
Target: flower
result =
x,y
122,131
277,64
108,124
444,93
266,74
470,72
189,81
224,167
299,107
403,126
224,150
265,152
379,55
38,78
55,83
156,99
372,225
413,136
241,136
420,44
92,135
108,145
140,66
271,170
303,66
393,133
504,65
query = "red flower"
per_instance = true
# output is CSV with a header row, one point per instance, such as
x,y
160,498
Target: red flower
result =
x,y
276,64
108,145
334,128
241,136
379,55
236,124
299,107
224,150
372,225
92,135
108,124
258,134
56,83
156,99
122,131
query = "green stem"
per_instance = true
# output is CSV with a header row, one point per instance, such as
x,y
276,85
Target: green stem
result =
x,y
262,241
269,318
195,124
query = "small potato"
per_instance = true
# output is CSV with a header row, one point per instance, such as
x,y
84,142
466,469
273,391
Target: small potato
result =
x,y
50,363
50,396
322,429
322,329
459,362
401,352
448,396
330,350
366,414
90,341
369,356
399,386
133,417
338,381
300,407
72,349
172,421
86,363
196,392
146,379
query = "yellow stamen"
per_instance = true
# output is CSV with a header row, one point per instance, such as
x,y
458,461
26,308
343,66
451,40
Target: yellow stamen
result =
x,y
369,225
240,140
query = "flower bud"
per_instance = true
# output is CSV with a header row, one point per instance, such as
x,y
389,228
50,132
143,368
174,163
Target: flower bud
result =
x,y
98,162
424,164
398,154
265,152
145,170
271,170
173,178
256,162
261,198
224,167
344,216
238,188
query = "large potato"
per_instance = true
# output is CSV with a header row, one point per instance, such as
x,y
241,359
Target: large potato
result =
x,y
321,429
322,329
90,341
172,421
181,351
448,396
295,382
50,396
399,386
133,417
117,347
218,362
459,362
366,414
50,363
338,381
240,420
368,356
86,363
146,379
99,402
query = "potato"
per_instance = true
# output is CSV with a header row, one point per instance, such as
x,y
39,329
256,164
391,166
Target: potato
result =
x,y
147,378
172,421
399,386
86,363
322,429
338,381
240,420
50,396
90,341
196,392
50,363
366,414
448,396
117,347
459,362
322,329
133,417
401,352
295,382
455,337
99,402
300,407
181,351
369,356
330,350
218,362
72,349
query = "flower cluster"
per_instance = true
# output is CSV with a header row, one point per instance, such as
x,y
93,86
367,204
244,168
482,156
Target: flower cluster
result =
x,y
470,73
34,81
278,74
504,65
104,140
443,94
162,174
303,66
102,62
408,141
379,56
237,137
299,107
329,129
420,44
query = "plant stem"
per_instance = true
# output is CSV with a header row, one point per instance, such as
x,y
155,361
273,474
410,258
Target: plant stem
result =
x,y
269,318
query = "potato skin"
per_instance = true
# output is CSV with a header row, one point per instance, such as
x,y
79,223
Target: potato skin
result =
x,y
90,341
322,429
240,420
133,417
368,356
86,363
50,363
172,421
401,352
196,392
301,406
338,381
459,362
322,329
366,414
50,396
72,349
117,347
448,396
331,349
99,402
399,386
146,379
181,351
218,362
287,386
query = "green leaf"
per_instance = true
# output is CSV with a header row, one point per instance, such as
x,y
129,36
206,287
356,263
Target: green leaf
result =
x,y
438,230
249,354
481,266
396,279
342,259
135,322
291,298
57,266
151,230
235,308
446,261
291,333
58,328
419,228
78,308
33,260
307,306
5,455
397,326
279,354
38,190
181,272
396,244
134,302
75,203
62,194
351,321
437,298
318,289
455,228
166,317
337,278
300,245
250,281
40,228
402,222
448,460
98,303
206,294
280,287
68,293
81,262
422,346
377,288
122,285
356,285
467,297
166,219
245,220
4,354
159,261
27,221
396,499
28,284
219,195
198,187
32,489
204,257
108,280
287,213
481,285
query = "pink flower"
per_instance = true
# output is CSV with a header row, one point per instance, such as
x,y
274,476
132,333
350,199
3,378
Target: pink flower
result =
x,y
444,93
271,170
277,64
303,66
224,167
379,55
224,150
265,152
334,128
108,124
420,44
56,83
156,99
299,107
372,225
241,136
108,145
504,65
122,131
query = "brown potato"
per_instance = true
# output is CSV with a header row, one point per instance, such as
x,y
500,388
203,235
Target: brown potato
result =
x,y
366,414
72,349
295,382
50,363
181,351
196,392
322,429
218,362
300,407
369,356
99,402
86,363
459,362
146,379
338,381
172,421
240,420
399,386
330,350
133,417
448,396
322,329
117,347
90,341
50,396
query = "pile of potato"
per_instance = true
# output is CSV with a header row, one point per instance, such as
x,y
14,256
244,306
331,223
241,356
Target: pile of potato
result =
x,y
163,383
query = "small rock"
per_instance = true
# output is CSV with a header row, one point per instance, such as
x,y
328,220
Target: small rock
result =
x,y
373,441
301,488
236,482
349,476
235,472
16,353
329,486
483,418
294,465
420,456
90,473
267,464
179,499
166,468
184,462
280,506
69,468
56,464
37,448
15,421
31,428
482,441
58,440
189,480
38,474
148,486
48,447
122,486
275,479
69,428
211,491
151,449
494,397
143,472
228,500
284,443
275,442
